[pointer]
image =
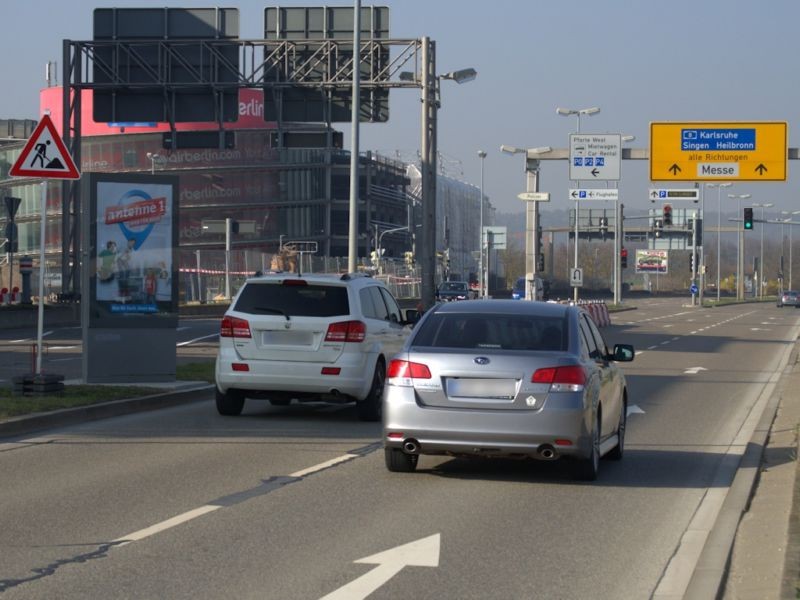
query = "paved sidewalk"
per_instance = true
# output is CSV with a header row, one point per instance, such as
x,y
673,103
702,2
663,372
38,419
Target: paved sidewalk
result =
x,y
765,561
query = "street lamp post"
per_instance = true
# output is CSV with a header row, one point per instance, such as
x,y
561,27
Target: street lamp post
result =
x,y
532,239
565,112
761,251
481,155
739,246
719,187
790,216
154,157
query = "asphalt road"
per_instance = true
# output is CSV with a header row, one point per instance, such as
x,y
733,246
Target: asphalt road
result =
x,y
282,501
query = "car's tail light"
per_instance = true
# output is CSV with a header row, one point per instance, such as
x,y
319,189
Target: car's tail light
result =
x,y
240,367
346,331
234,327
403,372
561,379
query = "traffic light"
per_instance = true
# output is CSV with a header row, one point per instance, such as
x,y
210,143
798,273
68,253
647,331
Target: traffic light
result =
x,y
540,263
623,258
603,227
667,216
659,225
691,262
748,218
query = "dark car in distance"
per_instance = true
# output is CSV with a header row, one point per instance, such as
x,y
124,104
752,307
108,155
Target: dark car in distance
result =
x,y
450,291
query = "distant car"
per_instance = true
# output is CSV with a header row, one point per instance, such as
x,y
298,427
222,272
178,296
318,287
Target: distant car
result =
x,y
499,378
310,337
789,298
453,290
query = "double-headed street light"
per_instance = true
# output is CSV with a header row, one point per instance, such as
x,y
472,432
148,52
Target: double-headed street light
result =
x,y
761,252
739,246
565,112
719,187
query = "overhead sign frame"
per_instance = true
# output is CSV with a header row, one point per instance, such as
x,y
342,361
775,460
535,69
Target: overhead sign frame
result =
x,y
39,145
595,156
718,151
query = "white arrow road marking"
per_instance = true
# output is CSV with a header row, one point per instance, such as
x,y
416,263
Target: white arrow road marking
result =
x,y
694,370
633,409
421,553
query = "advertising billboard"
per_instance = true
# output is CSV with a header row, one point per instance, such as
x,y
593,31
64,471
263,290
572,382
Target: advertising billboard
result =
x,y
652,261
133,229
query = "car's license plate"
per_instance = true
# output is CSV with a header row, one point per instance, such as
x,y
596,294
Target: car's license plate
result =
x,y
468,387
287,338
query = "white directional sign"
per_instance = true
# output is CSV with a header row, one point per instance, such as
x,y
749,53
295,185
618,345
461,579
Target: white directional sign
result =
x,y
576,277
590,194
666,194
497,235
534,196
595,156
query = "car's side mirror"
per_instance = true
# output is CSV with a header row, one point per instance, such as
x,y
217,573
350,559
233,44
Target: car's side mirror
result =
x,y
412,316
623,353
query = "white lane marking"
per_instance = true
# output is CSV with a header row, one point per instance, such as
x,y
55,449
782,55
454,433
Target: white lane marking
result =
x,y
323,465
45,334
164,525
419,553
205,337
758,329
668,326
652,347
65,359
61,347
634,409
181,328
694,370
638,352
664,343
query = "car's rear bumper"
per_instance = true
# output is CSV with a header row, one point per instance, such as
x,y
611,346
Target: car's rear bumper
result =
x,y
487,432
354,377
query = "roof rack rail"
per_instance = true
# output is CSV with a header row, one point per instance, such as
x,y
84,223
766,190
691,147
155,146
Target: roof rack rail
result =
x,y
349,276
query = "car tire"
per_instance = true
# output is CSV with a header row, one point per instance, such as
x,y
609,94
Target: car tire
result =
x,y
398,461
230,403
371,407
586,469
617,451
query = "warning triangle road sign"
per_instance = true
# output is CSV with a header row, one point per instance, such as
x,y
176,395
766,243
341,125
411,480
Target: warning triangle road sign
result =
x,y
45,155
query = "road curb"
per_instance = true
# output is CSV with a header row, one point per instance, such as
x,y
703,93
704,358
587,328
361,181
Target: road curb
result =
x,y
27,424
712,568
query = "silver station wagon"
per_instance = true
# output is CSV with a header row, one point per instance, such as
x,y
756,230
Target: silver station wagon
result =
x,y
499,378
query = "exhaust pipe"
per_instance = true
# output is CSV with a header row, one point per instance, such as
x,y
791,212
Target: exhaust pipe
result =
x,y
547,452
411,446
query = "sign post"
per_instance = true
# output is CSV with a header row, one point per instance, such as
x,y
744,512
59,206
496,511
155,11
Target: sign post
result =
x,y
44,156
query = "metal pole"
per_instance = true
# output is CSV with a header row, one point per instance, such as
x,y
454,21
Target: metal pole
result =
x,y
761,257
577,210
42,241
694,254
740,254
199,280
532,185
719,234
790,256
701,259
428,172
228,222
352,239
617,252
482,156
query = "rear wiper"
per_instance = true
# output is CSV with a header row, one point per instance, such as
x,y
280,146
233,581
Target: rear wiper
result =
x,y
269,309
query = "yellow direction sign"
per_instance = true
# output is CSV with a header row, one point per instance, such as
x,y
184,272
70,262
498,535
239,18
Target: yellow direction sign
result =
x,y
716,151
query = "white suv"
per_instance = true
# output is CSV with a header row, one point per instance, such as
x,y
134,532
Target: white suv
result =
x,y
309,337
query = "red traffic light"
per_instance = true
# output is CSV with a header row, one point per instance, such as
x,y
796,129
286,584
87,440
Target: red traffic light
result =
x,y
667,214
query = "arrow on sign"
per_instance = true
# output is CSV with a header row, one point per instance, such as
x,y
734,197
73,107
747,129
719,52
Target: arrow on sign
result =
x,y
654,194
675,169
574,193
595,172
421,553
694,370
761,168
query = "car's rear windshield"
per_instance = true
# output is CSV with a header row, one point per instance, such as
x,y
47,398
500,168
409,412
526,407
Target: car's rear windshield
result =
x,y
312,300
492,331
454,286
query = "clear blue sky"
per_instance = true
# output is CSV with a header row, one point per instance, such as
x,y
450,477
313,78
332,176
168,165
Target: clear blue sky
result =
x,y
638,60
